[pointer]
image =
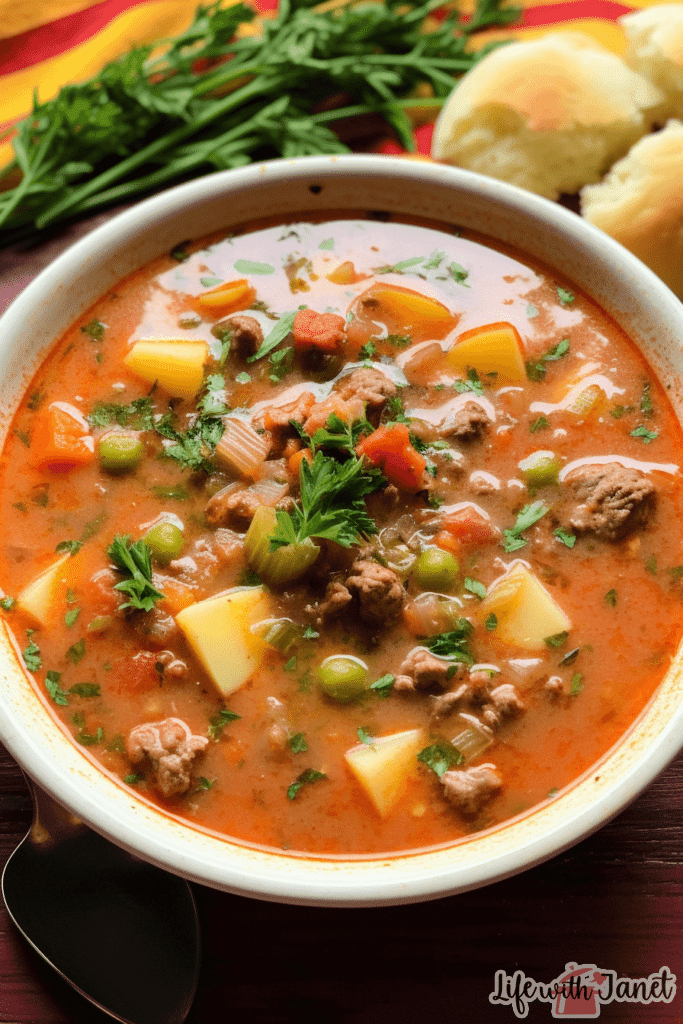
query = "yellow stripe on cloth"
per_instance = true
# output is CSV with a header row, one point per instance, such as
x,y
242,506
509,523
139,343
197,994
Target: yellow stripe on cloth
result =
x,y
17,16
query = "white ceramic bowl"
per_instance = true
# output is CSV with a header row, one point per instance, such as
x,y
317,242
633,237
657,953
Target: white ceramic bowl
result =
x,y
636,299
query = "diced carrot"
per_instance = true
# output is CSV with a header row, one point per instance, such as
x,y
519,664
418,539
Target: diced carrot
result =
x,y
228,296
325,331
345,273
297,458
134,675
61,439
389,449
469,527
177,595
448,542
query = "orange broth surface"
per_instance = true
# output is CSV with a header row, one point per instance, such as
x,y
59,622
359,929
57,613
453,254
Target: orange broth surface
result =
x,y
622,597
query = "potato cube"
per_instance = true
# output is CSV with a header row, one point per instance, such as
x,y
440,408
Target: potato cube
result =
x,y
494,348
219,631
175,364
526,612
41,598
384,766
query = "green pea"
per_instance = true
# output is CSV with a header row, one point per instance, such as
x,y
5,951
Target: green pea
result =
x,y
120,452
342,677
436,570
165,541
540,469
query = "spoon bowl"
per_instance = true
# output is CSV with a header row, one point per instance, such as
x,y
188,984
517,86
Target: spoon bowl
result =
x,y
121,932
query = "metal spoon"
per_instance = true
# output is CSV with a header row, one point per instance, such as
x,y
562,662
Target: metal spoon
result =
x,y
123,933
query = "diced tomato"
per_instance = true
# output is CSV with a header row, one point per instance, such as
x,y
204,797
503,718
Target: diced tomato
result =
x,y
295,460
325,331
389,449
61,439
468,526
135,675
447,542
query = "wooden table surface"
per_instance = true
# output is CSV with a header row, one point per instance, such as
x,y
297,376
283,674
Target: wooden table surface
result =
x,y
615,900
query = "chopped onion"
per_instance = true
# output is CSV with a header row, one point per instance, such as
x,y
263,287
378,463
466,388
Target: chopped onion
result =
x,y
241,448
472,738
431,613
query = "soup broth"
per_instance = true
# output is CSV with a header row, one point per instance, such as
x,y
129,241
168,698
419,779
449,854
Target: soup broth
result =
x,y
344,537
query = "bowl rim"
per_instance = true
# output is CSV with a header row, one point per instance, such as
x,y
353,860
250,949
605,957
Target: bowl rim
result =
x,y
70,775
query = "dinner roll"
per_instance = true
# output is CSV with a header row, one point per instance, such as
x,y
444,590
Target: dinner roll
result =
x,y
549,115
655,49
640,203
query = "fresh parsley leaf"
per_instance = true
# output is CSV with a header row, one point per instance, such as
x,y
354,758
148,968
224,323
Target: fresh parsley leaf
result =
x,y
395,411
7,603
90,739
645,435
536,370
568,539
72,546
530,514
440,757
557,639
384,685
243,377
452,646
218,723
279,332
52,686
399,340
611,598
85,689
472,383
179,252
339,435
95,330
31,656
475,587
297,743
491,622
76,652
332,503
310,633
368,350
646,406
281,362
576,684
570,656
133,778
459,273
542,423
71,616
204,784
308,776
364,736
565,297
134,560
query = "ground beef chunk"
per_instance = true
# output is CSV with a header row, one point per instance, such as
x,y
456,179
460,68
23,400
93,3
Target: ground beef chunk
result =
x,y
156,628
172,666
379,591
469,423
503,703
335,601
470,789
246,334
171,748
371,386
609,501
470,693
422,670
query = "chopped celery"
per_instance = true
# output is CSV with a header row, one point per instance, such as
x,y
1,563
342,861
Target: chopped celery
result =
x,y
283,565
343,677
540,469
279,633
472,738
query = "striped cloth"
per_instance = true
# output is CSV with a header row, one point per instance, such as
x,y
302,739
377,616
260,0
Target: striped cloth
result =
x,y
45,44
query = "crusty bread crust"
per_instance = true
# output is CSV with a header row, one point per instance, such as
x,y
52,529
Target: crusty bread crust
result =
x,y
549,115
640,203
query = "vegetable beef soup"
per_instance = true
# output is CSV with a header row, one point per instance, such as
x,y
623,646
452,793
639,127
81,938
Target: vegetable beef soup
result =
x,y
344,537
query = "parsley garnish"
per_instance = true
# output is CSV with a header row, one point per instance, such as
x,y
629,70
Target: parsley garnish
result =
x,y
368,350
452,646
536,370
297,743
133,778
611,598
557,639
134,560
570,656
139,414
384,685
309,775
279,332
95,330
399,340
52,686
338,435
459,274
565,297
281,362
72,546
71,616
218,723
475,587
471,384
576,684
332,503
179,253
90,739
568,539
31,654
491,622
530,514
7,603
440,757
76,652
85,689
646,406
364,736
645,435
542,423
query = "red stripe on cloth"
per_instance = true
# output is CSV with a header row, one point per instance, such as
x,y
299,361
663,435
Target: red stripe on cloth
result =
x,y
39,44
572,10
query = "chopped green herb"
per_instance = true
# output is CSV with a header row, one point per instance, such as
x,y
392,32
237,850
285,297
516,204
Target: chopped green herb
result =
x,y
676,572
568,539
475,587
531,311
281,362
90,739
491,622
31,655
576,684
117,745
453,645
384,685
364,736
611,598
35,400
76,652
134,560
218,723
651,565
297,743
530,514
204,784
139,414
290,666
552,792
310,633
279,332
459,273
646,406
308,776
399,340
133,778
645,435
210,281
557,639
327,243
72,546
71,616
23,437
398,268
536,370
243,377
179,252
52,686
565,297
570,656
542,423
472,383
440,757
95,330
86,689
368,350
7,603
252,267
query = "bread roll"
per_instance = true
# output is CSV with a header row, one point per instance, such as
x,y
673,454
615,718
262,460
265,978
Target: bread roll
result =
x,y
655,49
549,114
640,203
